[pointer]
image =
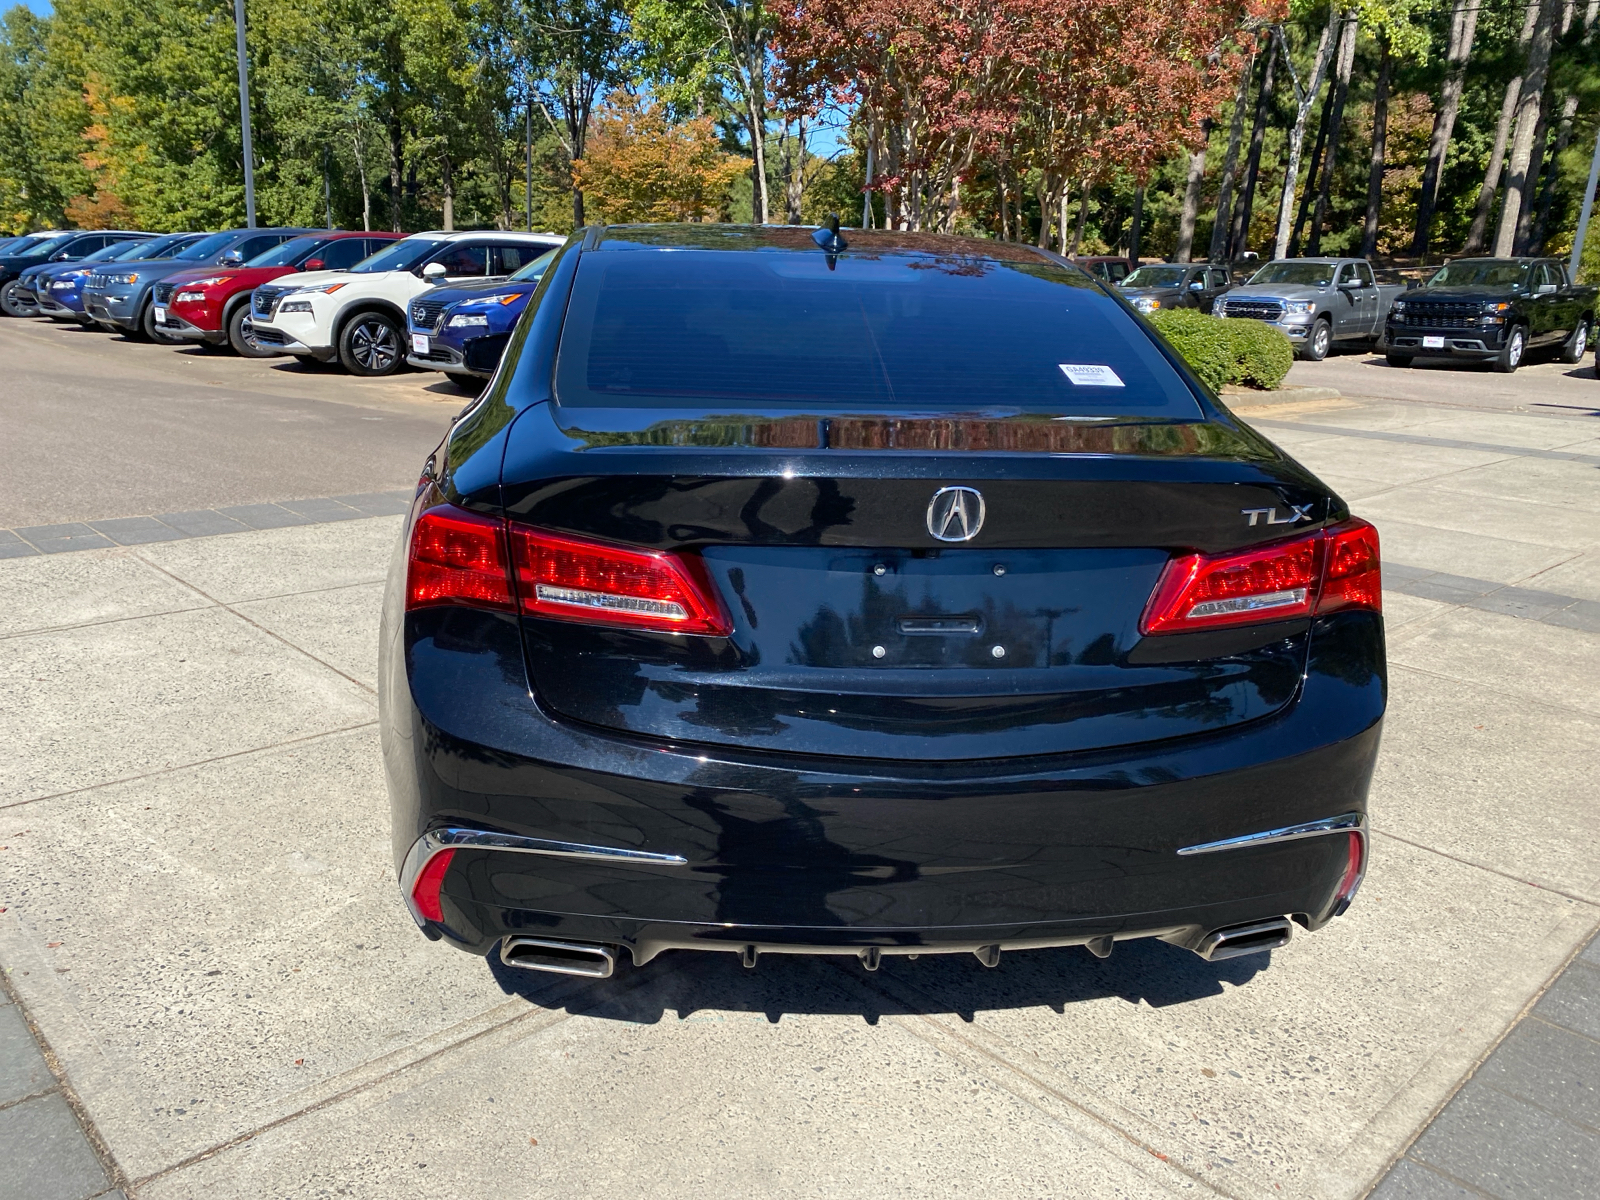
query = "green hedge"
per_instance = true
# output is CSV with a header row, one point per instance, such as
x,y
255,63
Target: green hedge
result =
x,y
1251,353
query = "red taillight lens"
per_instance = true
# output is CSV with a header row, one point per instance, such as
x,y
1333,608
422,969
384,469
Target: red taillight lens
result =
x,y
458,557
571,579
1354,578
1355,869
1330,569
430,881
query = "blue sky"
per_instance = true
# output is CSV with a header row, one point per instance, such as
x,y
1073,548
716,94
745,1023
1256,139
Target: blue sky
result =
x,y
42,7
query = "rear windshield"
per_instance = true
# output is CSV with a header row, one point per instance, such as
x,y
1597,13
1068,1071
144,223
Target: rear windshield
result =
x,y
1480,273
692,328
402,256
1306,274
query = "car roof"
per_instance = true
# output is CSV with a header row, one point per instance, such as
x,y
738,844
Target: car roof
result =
x,y
799,237
457,235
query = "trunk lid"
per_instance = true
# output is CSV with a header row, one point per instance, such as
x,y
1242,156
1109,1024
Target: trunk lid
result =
x,y
858,633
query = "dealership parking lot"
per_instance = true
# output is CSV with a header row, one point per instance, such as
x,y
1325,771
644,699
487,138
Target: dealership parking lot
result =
x,y
199,921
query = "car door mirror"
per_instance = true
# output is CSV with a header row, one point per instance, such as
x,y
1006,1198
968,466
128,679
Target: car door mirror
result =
x,y
1196,286
1544,289
312,264
434,271
233,258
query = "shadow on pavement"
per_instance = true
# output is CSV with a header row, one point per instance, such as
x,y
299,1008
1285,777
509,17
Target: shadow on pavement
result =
x,y
680,983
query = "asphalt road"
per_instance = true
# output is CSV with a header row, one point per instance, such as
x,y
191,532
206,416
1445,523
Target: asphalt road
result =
x,y
97,426
1540,387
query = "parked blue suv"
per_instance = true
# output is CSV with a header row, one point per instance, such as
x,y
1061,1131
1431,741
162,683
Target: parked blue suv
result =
x,y
33,285
64,247
463,330
60,288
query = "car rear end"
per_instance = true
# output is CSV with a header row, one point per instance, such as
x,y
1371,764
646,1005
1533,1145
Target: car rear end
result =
x,y
903,600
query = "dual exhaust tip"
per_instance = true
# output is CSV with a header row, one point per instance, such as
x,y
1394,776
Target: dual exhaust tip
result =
x,y
589,961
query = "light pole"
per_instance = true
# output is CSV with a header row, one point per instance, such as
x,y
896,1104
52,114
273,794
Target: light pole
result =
x,y
1588,207
244,118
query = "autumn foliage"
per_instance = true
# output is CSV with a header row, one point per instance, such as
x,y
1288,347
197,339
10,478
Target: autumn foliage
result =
x,y
1070,88
639,166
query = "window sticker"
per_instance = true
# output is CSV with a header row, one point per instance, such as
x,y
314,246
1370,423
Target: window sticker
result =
x,y
1090,375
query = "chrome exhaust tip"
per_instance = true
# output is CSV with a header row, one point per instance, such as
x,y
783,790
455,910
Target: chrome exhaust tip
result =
x,y
1238,940
558,958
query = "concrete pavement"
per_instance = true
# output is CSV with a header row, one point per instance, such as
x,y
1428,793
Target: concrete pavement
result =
x,y
201,918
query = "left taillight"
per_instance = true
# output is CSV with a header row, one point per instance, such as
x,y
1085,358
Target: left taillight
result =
x,y
465,558
1333,568
458,557
426,891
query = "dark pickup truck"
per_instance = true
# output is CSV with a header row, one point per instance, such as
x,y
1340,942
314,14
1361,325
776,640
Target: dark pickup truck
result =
x,y
1492,310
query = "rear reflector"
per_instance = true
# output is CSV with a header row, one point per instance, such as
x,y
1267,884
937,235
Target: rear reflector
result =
x,y
1330,569
457,557
1355,869
430,881
571,579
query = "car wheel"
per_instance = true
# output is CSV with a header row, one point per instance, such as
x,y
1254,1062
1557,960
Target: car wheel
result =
x,y
467,382
370,344
147,326
1318,342
1572,350
1397,360
242,337
1510,356
10,304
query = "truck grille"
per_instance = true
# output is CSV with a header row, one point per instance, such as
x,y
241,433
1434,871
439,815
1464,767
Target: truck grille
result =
x,y
1260,310
1439,314
425,315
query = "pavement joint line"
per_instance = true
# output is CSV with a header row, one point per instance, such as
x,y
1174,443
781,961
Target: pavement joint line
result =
x,y
199,762
1522,1014
1535,1104
63,1087
1007,1068
1533,1016
1417,439
54,1087
1513,697
87,530
262,628
557,1017
1589,901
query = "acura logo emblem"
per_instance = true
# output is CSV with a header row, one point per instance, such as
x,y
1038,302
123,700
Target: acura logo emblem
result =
x,y
955,514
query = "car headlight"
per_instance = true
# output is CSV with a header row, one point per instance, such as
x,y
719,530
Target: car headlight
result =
x,y
189,297
463,320
322,288
1146,304
116,279
294,306
1399,307
212,281
64,283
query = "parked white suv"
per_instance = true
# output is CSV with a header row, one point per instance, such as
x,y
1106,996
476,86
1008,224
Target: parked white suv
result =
x,y
359,316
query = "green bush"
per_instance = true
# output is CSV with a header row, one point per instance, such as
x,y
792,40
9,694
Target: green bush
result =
x,y
1219,351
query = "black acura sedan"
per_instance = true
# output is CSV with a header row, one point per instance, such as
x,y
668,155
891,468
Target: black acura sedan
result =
x,y
790,591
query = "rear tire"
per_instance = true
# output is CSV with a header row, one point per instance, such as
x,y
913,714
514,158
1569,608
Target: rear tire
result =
x,y
1397,360
1572,349
1510,356
371,345
240,336
10,304
1318,342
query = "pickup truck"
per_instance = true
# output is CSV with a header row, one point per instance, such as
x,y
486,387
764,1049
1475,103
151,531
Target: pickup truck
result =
x,y
1492,309
1160,286
1316,301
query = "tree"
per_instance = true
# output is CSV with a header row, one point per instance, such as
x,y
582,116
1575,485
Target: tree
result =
x,y
1341,89
1380,137
639,166
1529,120
1463,28
1230,164
1191,194
1305,98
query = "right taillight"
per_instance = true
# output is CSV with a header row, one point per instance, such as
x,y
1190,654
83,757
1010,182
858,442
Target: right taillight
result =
x,y
1330,569
458,557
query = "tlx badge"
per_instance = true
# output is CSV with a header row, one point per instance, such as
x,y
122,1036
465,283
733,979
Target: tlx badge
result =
x,y
1297,512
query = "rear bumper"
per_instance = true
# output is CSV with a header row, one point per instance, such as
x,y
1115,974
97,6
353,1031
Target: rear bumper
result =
x,y
830,855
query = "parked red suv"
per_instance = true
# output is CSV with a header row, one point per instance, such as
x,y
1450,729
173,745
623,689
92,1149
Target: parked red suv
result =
x,y
212,304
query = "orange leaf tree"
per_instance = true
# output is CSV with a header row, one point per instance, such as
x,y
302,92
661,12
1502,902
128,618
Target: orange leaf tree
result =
x,y
639,166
